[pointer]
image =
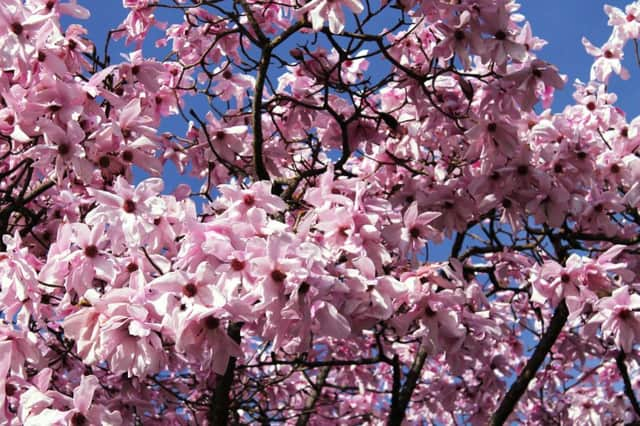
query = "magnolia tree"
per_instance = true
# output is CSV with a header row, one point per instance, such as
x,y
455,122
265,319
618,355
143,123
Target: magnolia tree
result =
x,y
384,229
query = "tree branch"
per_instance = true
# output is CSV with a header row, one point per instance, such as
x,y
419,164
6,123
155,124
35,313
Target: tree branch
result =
x,y
218,413
258,159
398,410
628,389
524,378
313,398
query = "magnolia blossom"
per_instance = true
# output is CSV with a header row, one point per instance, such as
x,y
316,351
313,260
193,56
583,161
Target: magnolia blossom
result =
x,y
319,11
619,317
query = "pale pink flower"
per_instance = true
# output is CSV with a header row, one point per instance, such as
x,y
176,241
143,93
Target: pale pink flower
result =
x,y
619,316
319,11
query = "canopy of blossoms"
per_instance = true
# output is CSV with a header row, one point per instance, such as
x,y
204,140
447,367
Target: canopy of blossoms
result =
x,y
389,224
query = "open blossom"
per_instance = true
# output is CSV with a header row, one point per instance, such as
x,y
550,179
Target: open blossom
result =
x,y
135,209
203,330
83,411
319,11
412,234
627,23
619,317
78,257
608,60
533,77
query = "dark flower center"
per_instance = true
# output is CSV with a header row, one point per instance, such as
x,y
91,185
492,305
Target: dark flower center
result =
x,y
523,169
17,28
211,322
91,251
129,205
237,265
64,149
104,161
278,276
304,288
79,419
127,156
625,314
415,232
190,290
249,199
10,389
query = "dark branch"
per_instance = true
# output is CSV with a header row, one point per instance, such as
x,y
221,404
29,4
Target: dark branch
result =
x,y
628,389
398,410
524,378
313,398
218,413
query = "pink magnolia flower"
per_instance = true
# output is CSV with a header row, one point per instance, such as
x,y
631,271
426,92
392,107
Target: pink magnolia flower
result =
x,y
182,289
457,38
84,412
134,209
626,23
112,329
232,85
531,78
608,60
503,43
64,147
619,316
319,11
258,195
277,271
491,136
201,331
78,257
411,235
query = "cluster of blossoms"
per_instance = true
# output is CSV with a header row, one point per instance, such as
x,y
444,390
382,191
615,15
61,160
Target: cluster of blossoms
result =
x,y
303,281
